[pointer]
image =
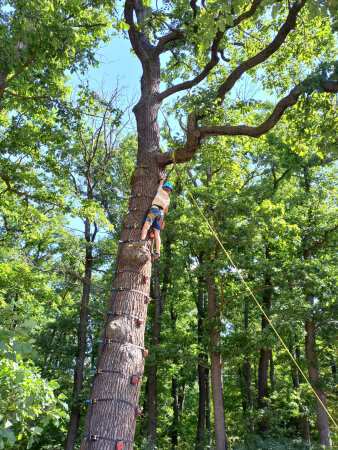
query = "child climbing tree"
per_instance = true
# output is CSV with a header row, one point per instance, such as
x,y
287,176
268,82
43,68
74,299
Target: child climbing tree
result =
x,y
211,46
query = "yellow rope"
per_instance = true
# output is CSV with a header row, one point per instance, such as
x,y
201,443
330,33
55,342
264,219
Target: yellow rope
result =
x,y
251,293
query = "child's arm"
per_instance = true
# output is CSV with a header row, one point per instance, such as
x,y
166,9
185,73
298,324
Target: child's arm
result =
x,y
161,181
166,209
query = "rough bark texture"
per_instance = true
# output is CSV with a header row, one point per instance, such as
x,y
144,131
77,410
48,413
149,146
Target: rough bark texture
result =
x,y
216,373
75,413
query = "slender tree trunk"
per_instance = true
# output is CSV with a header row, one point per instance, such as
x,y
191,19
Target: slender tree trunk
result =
x,y
322,417
174,428
208,408
248,370
75,413
201,368
303,420
265,355
216,373
159,299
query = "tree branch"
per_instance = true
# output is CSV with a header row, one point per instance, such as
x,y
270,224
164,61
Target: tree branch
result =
x,y
323,241
134,34
174,36
195,135
263,55
214,57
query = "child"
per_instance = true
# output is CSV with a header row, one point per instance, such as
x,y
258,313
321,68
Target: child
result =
x,y
159,207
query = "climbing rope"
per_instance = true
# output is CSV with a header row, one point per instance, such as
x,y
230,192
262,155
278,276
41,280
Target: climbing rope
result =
x,y
248,288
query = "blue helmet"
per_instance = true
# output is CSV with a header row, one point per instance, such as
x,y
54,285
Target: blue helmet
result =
x,y
168,185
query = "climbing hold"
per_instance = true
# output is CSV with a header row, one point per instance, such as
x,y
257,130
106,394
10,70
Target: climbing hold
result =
x,y
148,299
134,379
146,277
145,352
119,445
139,322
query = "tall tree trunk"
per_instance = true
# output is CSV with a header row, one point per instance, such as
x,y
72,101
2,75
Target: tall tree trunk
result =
x,y
312,360
303,420
201,369
112,413
265,355
248,369
208,408
216,372
310,337
75,413
159,299
174,427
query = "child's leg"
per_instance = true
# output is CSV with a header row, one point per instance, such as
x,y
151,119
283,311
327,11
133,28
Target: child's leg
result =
x,y
145,229
157,241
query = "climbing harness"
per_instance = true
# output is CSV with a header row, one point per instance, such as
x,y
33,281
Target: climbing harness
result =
x,y
248,288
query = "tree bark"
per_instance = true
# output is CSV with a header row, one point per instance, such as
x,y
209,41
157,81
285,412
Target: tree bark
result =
x,y
75,413
310,328
216,372
112,417
208,408
248,370
174,430
265,355
303,420
201,369
159,299
322,417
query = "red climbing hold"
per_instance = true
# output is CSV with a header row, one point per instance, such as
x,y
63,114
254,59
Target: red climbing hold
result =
x,y
139,322
145,352
134,380
119,445
148,299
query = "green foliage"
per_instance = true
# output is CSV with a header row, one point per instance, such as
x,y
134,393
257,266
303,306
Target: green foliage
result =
x,y
29,403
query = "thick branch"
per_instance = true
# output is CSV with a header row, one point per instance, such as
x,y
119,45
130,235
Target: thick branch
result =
x,y
244,130
175,35
214,58
134,34
263,55
195,135
323,241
